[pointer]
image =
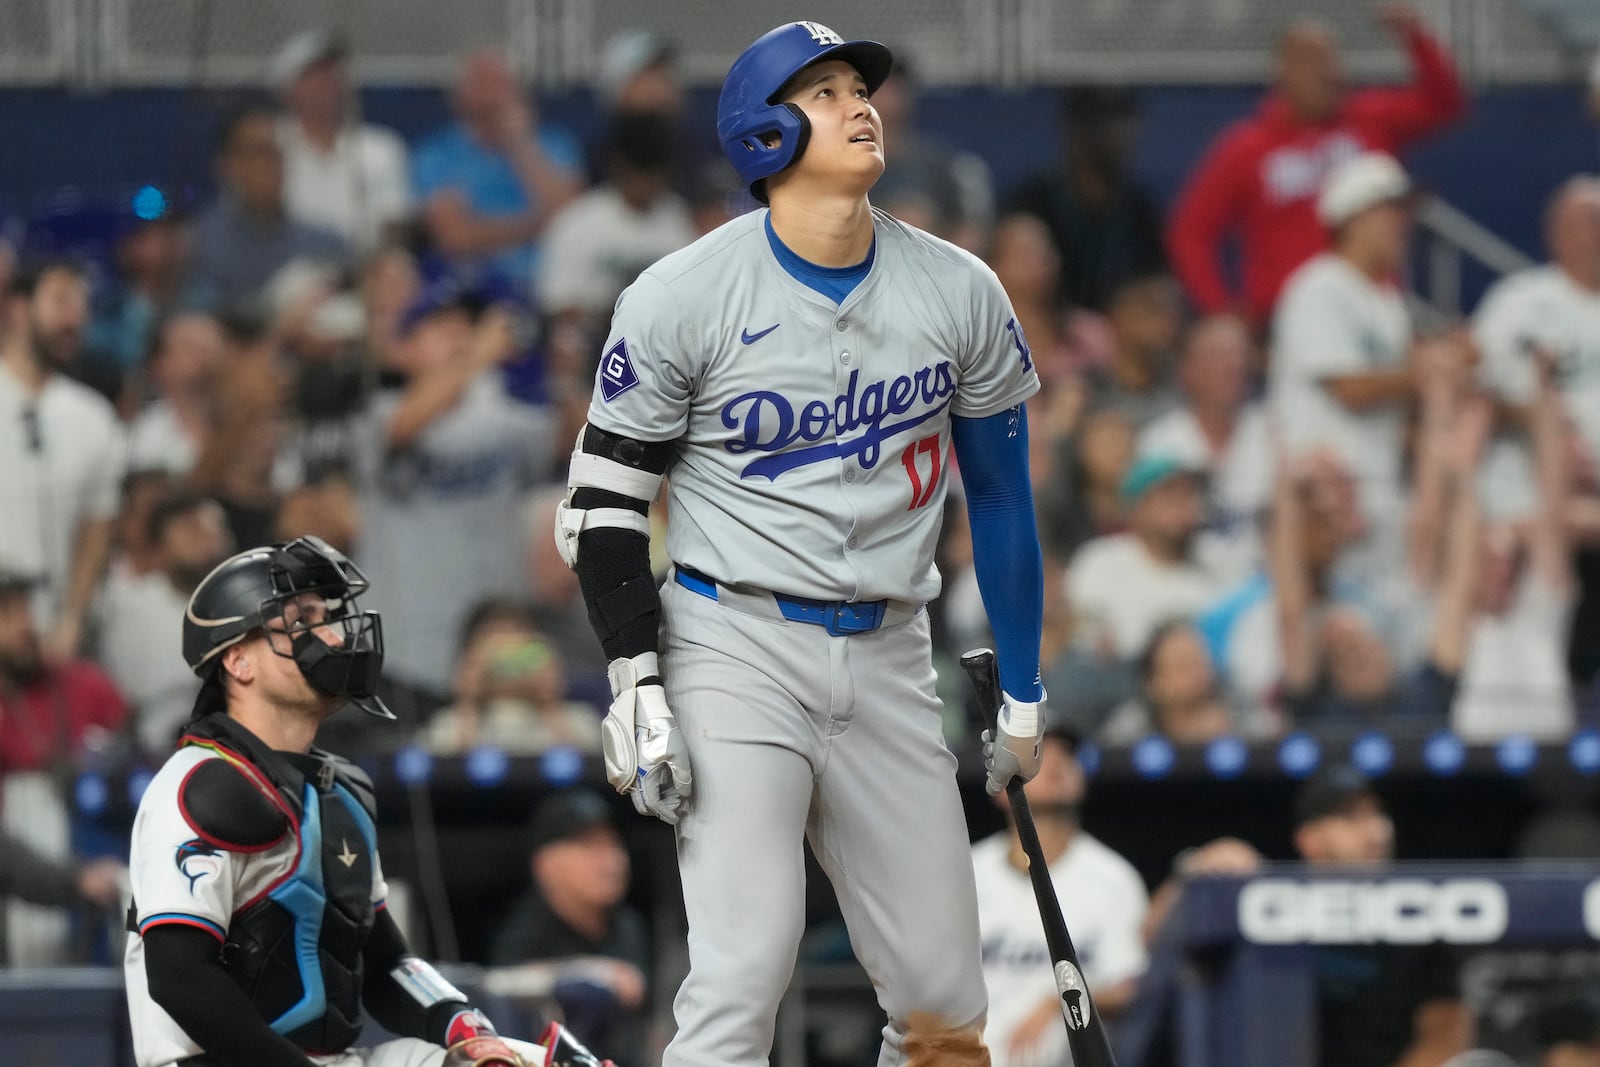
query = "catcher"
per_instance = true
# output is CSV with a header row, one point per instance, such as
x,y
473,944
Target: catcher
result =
x,y
258,933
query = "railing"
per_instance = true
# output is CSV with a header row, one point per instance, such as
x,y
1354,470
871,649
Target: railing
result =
x,y
1450,240
557,43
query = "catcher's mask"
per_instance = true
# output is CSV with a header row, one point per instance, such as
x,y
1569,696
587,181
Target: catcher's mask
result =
x,y
290,590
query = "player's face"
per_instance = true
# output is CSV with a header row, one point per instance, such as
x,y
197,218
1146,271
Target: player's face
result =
x,y
846,144
282,683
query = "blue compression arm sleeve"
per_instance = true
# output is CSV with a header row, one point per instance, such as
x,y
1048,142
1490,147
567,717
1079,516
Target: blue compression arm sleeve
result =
x,y
993,454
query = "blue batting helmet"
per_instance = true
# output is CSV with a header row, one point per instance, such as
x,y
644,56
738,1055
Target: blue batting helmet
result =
x,y
748,111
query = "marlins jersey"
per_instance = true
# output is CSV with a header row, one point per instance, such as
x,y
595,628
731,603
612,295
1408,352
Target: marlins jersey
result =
x,y
812,437
1104,901
179,877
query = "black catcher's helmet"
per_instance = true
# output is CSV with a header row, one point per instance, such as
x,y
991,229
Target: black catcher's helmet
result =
x,y
247,590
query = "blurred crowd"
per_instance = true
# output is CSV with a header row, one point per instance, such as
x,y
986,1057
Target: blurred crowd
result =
x,y
1274,491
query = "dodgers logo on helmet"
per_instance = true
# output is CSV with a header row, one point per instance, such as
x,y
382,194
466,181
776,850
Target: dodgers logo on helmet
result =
x,y
761,136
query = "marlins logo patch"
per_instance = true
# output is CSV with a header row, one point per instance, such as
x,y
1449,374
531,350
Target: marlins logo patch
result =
x,y
196,859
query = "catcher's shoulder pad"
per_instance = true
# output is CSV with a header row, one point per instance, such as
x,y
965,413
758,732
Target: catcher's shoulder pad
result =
x,y
229,809
356,780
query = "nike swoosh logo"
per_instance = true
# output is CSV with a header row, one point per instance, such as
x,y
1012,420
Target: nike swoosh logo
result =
x,y
751,338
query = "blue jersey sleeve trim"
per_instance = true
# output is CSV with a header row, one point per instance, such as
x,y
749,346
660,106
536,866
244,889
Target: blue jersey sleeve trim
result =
x,y
993,454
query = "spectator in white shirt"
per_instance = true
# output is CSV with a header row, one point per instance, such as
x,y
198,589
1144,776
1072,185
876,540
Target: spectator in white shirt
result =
x,y
1515,679
139,647
183,366
340,174
600,242
1554,308
1219,429
1340,375
1100,890
1130,583
61,451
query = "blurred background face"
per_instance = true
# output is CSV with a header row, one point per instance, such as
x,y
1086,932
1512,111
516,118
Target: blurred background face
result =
x,y
1572,228
141,493
1309,73
1360,666
154,250
252,164
895,101
1180,668
320,92
1147,317
1171,513
439,340
486,88
1105,447
1332,517
1362,834
1380,235
190,355
1502,557
55,317
1215,372
520,667
192,543
1058,789
20,658
590,868
1024,258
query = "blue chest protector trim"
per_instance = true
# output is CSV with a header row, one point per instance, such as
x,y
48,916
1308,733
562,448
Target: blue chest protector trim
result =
x,y
305,899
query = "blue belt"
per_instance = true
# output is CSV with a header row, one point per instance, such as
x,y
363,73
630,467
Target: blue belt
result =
x,y
839,617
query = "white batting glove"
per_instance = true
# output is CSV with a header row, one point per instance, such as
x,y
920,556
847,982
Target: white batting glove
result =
x,y
645,754
1012,749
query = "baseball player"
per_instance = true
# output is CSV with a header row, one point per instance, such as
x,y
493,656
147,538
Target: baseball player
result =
x,y
257,932
799,375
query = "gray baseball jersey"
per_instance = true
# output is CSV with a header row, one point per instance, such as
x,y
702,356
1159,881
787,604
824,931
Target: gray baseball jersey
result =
x,y
811,446
812,436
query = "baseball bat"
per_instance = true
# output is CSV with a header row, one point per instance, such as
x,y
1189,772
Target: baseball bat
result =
x,y
1086,1032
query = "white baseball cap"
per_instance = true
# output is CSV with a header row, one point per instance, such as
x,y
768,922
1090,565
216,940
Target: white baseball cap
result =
x,y
627,53
1359,183
300,52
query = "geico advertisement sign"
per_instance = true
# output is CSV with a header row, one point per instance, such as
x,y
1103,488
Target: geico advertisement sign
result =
x,y
1281,911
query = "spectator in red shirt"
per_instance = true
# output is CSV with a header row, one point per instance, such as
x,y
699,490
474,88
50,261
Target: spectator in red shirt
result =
x,y
47,709
1259,181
